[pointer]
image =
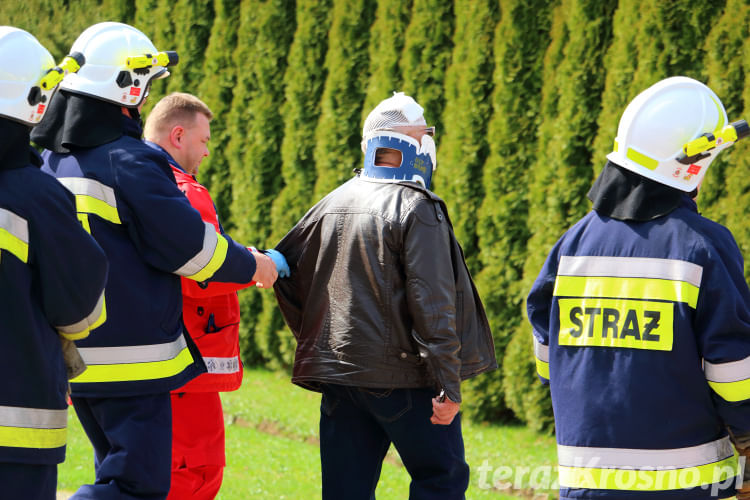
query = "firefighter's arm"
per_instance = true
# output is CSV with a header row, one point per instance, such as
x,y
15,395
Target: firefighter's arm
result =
x,y
170,234
723,327
200,199
204,289
72,271
538,307
71,267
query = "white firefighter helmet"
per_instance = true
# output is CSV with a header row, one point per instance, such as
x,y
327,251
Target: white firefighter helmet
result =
x,y
23,64
672,131
120,64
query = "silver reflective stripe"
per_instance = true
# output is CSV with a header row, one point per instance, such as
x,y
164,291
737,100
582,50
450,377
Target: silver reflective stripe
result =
x,y
132,354
90,187
727,372
202,258
15,225
627,458
541,351
86,322
33,418
631,267
222,365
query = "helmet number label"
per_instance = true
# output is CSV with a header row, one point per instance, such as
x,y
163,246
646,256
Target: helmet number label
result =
x,y
635,324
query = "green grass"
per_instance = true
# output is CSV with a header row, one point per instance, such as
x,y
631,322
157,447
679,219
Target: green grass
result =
x,y
273,453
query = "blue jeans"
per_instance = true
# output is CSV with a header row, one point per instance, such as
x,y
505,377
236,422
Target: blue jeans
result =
x,y
357,426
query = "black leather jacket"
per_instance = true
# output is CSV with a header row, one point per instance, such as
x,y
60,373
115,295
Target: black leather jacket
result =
x,y
379,294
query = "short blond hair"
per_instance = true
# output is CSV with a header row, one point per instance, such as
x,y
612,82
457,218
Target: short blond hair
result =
x,y
177,108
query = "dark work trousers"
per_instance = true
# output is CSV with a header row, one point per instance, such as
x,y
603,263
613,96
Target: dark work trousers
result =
x,y
357,426
28,481
132,440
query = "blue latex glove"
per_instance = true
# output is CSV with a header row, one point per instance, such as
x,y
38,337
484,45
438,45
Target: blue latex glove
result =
x,y
278,258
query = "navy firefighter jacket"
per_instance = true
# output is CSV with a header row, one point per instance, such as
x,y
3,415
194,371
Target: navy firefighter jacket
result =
x,y
642,330
52,277
127,198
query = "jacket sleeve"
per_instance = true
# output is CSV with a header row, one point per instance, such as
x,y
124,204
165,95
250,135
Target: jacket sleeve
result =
x,y
722,323
168,233
431,293
70,266
289,291
538,308
200,199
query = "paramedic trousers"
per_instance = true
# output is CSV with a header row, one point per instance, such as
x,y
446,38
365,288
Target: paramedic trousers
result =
x,y
198,456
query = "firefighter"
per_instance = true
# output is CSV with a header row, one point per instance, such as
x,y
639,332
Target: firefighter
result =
x,y
179,127
641,315
127,199
52,277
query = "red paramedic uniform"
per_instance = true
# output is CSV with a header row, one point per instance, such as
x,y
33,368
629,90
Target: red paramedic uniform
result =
x,y
211,313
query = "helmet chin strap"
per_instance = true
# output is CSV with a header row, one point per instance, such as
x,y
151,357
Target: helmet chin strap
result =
x,y
418,161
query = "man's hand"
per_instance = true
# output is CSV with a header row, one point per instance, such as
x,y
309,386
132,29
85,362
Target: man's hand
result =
x,y
444,413
265,271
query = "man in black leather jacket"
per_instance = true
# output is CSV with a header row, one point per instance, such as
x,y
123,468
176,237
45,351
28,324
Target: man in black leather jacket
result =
x,y
386,316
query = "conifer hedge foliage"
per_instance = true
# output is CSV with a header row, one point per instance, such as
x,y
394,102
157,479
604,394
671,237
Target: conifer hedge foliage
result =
x,y
526,96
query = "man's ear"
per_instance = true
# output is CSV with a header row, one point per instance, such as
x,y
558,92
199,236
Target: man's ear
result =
x,y
176,135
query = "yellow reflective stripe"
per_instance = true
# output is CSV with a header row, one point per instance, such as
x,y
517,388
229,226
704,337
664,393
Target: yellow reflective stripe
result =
x,y
732,391
123,372
14,234
14,245
217,259
541,352
22,427
542,368
82,328
647,480
14,224
84,218
93,197
643,288
91,205
17,437
730,380
641,159
210,257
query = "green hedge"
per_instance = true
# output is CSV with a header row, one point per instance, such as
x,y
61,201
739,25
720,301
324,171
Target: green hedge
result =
x,y
526,97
